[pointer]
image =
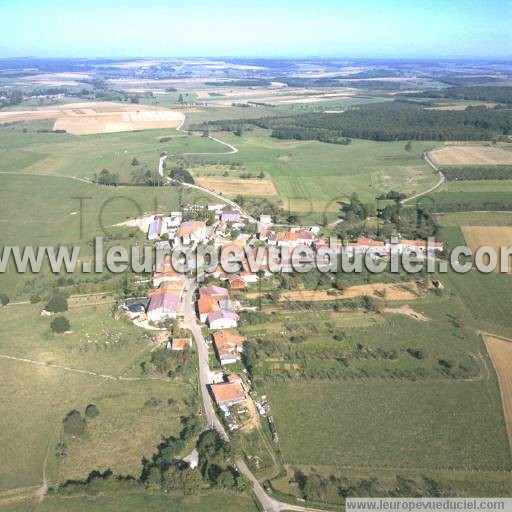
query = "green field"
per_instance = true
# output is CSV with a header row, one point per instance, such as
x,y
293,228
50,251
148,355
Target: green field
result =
x,y
391,425
36,397
138,502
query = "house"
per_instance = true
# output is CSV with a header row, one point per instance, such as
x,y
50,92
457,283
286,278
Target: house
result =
x,y
222,320
181,343
229,345
228,393
163,304
174,220
155,228
191,231
205,306
237,282
233,378
215,292
230,216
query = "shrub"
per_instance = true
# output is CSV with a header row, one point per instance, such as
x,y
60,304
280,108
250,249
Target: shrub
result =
x,y
58,303
34,299
91,411
60,324
4,299
74,424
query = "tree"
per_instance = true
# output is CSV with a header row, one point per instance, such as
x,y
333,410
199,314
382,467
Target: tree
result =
x,y
35,298
135,161
58,303
4,299
191,481
60,324
74,424
91,411
180,98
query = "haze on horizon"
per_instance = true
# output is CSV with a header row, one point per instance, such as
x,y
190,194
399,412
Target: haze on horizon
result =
x,y
158,28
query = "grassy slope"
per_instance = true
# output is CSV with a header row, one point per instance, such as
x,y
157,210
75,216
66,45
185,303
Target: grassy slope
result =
x,y
37,398
137,502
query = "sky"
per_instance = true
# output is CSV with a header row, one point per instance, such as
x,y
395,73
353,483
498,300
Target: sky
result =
x,y
257,28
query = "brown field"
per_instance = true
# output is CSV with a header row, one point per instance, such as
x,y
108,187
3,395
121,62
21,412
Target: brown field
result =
x,y
406,310
238,186
471,155
494,236
500,352
462,106
387,291
97,117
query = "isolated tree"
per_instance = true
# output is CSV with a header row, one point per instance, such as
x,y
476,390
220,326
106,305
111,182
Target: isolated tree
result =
x,y
91,411
74,424
4,299
135,161
60,324
35,298
58,303
180,98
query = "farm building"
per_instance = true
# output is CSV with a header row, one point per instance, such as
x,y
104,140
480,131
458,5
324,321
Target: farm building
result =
x,y
229,345
230,216
222,320
163,305
228,393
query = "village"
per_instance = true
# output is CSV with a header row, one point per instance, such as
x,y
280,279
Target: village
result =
x,y
220,226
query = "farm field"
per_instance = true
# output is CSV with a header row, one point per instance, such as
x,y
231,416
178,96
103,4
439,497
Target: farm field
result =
x,y
53,216
312,177
471,155
126,429
493,236
234,186
137,502
391,425
68,155
97,117
500,352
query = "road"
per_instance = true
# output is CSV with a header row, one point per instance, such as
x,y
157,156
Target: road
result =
x,y
190,322
442,179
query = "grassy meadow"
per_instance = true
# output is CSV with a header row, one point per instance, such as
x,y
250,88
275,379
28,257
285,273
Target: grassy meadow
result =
x,y
37,397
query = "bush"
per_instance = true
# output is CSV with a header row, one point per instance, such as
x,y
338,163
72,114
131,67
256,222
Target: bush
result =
x,y
91,411
58,303
60,324
74,424
34,299
4,300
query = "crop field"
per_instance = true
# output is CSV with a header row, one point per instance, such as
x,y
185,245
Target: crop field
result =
x,y
391,425
492,236
126,429
97,117
471,155
237,186
500,352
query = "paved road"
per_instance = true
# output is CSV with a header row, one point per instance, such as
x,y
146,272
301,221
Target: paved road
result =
x,y
190,322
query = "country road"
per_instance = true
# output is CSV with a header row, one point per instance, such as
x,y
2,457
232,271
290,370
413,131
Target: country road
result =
x,y
442,179
190,322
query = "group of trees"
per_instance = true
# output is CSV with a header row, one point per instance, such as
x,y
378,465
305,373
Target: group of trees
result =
x,y
75,424
478,172
332,489
105,177
147,178
394,120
